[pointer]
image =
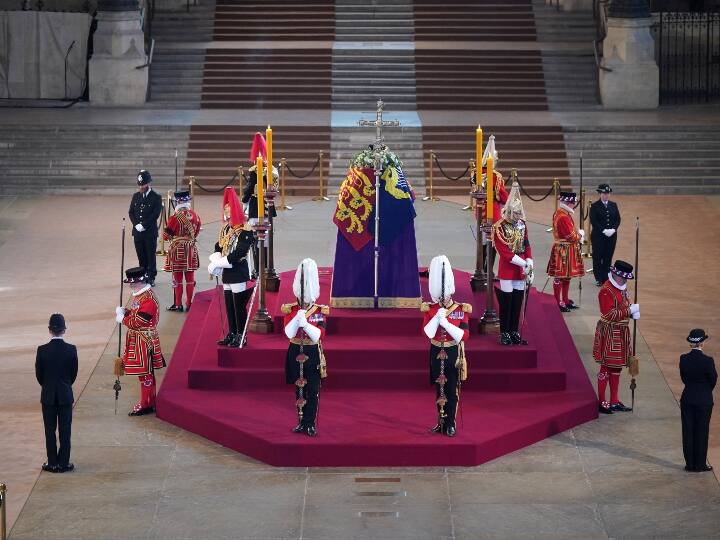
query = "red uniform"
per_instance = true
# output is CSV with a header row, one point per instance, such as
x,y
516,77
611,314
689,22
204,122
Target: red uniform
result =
x,y
459,316
500,195
612,346
511,239
142,343
182,230
565,258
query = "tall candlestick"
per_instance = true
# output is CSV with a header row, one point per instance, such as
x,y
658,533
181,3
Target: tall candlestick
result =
x,y
478,156
489,182
260,188
268,141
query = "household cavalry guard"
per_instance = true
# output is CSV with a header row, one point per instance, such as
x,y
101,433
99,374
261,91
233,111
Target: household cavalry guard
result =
x,y
500,194
142,355
565,259
612,347
249,198
230,260
446,324
305,323
515,266
182,259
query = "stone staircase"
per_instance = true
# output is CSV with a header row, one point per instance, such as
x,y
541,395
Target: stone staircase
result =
x,y
265,20
406,143
74,159
374,20
193,26
362,75
682,160
562,26
570,79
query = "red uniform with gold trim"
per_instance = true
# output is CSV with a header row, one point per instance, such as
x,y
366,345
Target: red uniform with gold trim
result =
x,y
612,346
459,316
142,344
565,258
511,239
500,195
181,231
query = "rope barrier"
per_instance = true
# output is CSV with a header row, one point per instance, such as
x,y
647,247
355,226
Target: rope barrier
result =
x,y
216,190
300,177
533,199
442,171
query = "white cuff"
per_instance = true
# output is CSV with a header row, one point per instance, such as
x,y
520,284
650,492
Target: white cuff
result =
x,y
291,328
215,256
431,328
455,332
222,262
518,261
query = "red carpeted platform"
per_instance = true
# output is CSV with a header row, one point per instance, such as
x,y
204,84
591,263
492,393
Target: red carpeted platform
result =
x,y
377,403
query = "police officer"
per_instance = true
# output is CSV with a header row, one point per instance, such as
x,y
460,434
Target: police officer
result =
x,y
605,220
144,212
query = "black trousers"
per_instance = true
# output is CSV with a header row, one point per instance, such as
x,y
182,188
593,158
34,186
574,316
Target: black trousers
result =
x,y
451,372
145,247
603,249
695,433
57,417
311,372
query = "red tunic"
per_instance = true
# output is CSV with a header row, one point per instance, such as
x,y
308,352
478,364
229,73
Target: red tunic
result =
x,y
612,345
315,316
565,258
509,242
459,316
500,196
142,341
182,230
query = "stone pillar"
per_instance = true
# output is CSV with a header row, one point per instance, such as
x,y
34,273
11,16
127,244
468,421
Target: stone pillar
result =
x,y
119,48
632,81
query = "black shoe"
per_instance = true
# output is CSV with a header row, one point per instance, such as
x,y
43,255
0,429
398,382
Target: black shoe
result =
x,y
689,469
187,308
67,468
49,468
619,407
151,282
435,429
228,339
604,410
175,307
563,308
311,431
450,431
705,468
235,343
505,339
298,429
570,304
517,339
142,412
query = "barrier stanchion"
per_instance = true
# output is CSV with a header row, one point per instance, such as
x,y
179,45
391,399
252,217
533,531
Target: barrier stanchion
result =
x,y
3,512
322,196
586,244
429,189
283,167
556,191
163,223
241,180
191,185
471,168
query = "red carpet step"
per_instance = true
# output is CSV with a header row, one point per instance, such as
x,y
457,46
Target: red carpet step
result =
x,y
377,402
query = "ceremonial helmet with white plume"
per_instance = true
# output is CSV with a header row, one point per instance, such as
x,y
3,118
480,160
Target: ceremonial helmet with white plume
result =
x,y
490,151
513,209
437,280
307,271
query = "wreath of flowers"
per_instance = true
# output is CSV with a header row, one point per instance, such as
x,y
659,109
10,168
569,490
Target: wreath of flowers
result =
x,y
366,159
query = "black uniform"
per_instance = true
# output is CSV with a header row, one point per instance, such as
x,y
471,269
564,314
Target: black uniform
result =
x,y
453,375
56,367
145,208
250,198
697,371
602,217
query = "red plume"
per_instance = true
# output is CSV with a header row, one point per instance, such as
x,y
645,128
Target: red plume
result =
x,y
259,146
230,198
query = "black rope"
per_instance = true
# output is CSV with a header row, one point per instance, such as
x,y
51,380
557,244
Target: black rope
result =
x,y
216,190
301,176
524,192
454,179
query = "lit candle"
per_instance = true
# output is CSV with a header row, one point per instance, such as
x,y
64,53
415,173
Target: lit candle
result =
x,y
478,156
260,187
490,185
268,141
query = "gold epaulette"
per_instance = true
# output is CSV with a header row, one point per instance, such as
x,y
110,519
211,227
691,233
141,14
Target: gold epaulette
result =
x,y
467,308
286,309
425,307
325,310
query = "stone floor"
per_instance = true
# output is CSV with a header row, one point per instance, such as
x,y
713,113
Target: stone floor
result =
x,y
618,477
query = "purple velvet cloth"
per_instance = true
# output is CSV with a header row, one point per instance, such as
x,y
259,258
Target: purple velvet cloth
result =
x,y
353,271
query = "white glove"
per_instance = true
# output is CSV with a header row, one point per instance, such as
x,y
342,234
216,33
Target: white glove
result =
x,y
291,328
518,261
211,268
636,315
214,256
302,322
217,272
634,308
441,314
612,231
582,234
529,262
608,232
139,227
431,327
313,332
455,332
119,314
222,262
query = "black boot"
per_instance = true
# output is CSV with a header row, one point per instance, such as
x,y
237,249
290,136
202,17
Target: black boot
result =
x,y
514,319
230,312
240,302
504,306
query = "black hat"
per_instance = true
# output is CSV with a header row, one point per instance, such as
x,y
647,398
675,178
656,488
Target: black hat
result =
x,y
143,178
57,322
182,196
567,196
622,269
697,335
135,275
604,188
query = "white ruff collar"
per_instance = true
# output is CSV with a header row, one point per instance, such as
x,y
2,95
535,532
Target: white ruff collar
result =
x,y
615,283
566,207
139,292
